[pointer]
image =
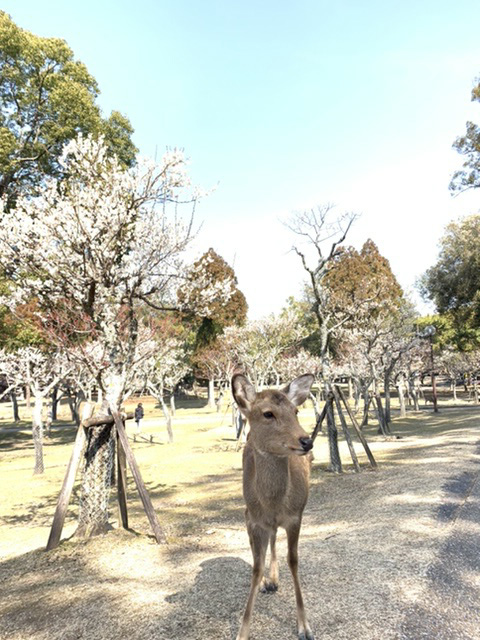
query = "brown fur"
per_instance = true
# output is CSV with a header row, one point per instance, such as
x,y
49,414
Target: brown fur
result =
x,y
276,471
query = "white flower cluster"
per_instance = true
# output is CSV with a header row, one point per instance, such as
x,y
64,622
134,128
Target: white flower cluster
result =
x,y
97,244
101,235
31,366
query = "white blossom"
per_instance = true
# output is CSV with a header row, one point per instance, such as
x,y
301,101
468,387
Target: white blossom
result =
x,y
96,245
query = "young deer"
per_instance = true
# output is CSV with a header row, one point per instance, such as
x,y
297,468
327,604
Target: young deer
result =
x,y
276,471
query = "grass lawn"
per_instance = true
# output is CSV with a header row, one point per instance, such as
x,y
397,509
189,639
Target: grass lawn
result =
x,y
193,482
366,542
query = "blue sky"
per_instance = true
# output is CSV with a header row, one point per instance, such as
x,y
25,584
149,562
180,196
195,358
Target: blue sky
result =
x,y
286,105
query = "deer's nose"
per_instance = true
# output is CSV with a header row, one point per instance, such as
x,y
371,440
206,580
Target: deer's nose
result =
x,y
307,444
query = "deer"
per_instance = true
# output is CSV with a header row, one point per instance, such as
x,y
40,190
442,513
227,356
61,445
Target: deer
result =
x,y
276,471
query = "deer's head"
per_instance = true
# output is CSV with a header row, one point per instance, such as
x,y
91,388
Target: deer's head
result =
x,y
272,415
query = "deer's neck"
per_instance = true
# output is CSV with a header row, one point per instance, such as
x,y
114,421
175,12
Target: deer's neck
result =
x,y
271,475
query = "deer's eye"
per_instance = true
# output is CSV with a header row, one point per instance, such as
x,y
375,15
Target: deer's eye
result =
x,y
268,414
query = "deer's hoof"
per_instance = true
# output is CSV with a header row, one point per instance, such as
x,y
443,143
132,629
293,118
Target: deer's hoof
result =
x,y
268,586
306,635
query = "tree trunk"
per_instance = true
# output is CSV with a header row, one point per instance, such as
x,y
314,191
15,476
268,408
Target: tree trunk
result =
x,y
211,393
366,404
218,402
357,393
37,432
335,460
415,394
350,388
96,482
79,398
386,389
73,407
315,408
168,417
49,420
16,414
55,399
382,422
173,408
99,462
401,397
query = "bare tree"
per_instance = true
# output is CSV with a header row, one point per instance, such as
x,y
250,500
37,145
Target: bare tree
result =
x,y
321,233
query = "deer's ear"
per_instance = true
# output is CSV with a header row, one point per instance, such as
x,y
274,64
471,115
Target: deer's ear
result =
x,y
297,391
243,392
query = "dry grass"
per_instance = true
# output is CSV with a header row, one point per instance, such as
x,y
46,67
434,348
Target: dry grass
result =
x,y
366,544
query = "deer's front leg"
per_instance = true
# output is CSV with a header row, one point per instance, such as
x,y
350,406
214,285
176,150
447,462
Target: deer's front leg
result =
x,y
259,543
270,584
304,630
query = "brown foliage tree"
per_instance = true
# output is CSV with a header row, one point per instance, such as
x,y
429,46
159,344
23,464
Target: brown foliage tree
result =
x,y
208,270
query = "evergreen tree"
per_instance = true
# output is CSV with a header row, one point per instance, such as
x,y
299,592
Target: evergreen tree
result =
x,y
469,146
47,98
453,283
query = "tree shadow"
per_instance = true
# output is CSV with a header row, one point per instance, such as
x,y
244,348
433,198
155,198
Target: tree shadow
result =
x,y
450,606
19,436
191,402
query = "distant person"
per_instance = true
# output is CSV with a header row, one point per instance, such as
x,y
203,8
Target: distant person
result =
x,y
139,413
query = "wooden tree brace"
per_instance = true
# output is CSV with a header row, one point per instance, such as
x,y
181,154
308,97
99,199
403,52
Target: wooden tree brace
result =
x,y
66,491
98,421
122,483
360,435
346,433
124,453
322,416
142,490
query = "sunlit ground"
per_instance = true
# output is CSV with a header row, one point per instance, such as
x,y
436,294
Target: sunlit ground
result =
x,y
197,478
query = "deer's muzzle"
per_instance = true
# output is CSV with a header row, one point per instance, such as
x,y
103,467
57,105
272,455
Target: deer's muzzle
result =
x,y
307,444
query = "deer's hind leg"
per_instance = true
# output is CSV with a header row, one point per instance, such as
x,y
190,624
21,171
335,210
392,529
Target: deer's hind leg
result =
x,y
270,584
259,542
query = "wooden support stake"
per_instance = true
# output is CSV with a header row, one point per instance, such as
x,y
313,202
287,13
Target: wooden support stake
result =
x,y
345,431
122,484
357,429
142,490
321,418
97,421
66,491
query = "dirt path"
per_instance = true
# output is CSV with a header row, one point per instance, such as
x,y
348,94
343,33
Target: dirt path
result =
x,y
384,555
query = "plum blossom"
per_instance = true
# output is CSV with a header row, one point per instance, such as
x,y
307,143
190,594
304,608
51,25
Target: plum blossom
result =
x,y
100,244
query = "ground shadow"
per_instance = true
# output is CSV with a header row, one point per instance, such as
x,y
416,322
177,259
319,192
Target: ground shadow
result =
x,y
19,436
450,607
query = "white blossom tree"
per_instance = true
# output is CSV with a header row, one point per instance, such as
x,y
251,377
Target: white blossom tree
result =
x,y
293,365
214,362
8,366
40,371
98,249
163,371
259,345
